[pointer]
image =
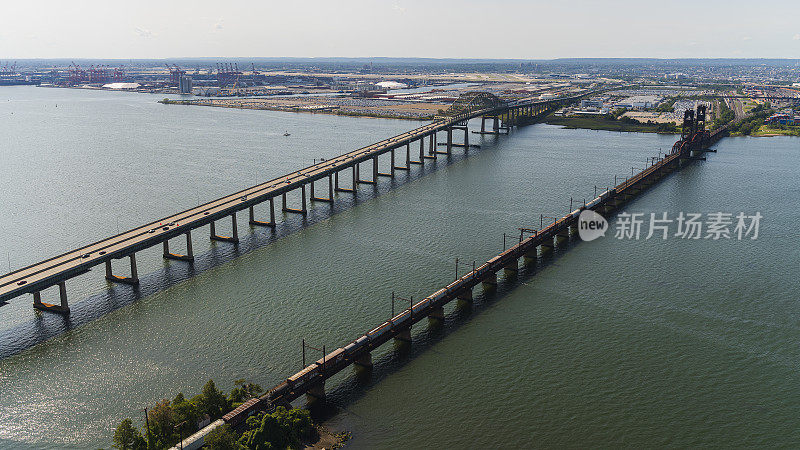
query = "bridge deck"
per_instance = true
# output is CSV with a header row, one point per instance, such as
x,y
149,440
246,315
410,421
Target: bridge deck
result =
x,y
49,272
284,393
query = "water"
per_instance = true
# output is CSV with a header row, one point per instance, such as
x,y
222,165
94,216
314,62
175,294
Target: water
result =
x,y
613,343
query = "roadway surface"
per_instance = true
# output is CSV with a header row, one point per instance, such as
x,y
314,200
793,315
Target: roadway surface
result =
x,y
47,273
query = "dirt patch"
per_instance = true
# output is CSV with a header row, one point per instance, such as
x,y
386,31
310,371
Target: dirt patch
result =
x,y
326,439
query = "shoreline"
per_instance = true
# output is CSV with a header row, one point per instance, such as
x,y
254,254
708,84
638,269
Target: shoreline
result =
x,y
621,127
297,110
604,125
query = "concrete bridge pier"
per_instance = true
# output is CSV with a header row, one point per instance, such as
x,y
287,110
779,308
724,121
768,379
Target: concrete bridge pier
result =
x,y
303,210
573,228
489,283
465,296
330,192
562,236
132,280
408,159
421,152
338,188
546,247
271,222
511,268
389,174
530,258
374,173
364,361
316,392
63,308
437,313
431,147
234,238
449,141
495,127
404,336
189,256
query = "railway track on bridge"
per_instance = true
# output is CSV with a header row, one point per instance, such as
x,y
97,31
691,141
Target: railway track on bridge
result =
x,y
694,141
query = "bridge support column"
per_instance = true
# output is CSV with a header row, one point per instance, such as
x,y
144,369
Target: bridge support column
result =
x,y
449,141
303,210
573,229
437,314
512,268
490,282
271,222
562,236
374,173
187,257
530,257
317,391
364,361
389,174
466,138
403,337
337,188
546,246
63,308
465,297
431,147
232,239
408,158
330,192
132,280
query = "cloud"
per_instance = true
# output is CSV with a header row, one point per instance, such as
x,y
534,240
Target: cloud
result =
x,y
145,33
796,37
747,38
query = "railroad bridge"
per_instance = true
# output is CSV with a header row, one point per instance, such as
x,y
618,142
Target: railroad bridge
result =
x,y
531,246
328,175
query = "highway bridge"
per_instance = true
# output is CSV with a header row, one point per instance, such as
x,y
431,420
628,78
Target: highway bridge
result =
x,y
55,271
532,244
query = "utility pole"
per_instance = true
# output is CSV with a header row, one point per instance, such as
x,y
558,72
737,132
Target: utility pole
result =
x,y
147,424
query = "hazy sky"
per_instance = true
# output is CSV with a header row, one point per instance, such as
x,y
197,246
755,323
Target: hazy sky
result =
x,y
439,29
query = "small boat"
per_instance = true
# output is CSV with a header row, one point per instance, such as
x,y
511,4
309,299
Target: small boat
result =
x,y
287,134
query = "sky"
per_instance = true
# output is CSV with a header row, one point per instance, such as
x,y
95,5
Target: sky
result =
x,y
399,28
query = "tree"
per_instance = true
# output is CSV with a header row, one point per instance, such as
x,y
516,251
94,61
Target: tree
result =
x,y
244,391
127,437
213,401
185,414
279,430
268,435
222,438
162,424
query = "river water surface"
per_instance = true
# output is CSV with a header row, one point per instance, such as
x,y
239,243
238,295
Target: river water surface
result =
x,y
611,343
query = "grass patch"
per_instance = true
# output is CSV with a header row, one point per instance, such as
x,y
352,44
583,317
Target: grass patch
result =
x,y
608,124
783,130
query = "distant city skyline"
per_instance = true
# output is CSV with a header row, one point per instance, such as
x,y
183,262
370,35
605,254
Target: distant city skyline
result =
x,y
402,28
